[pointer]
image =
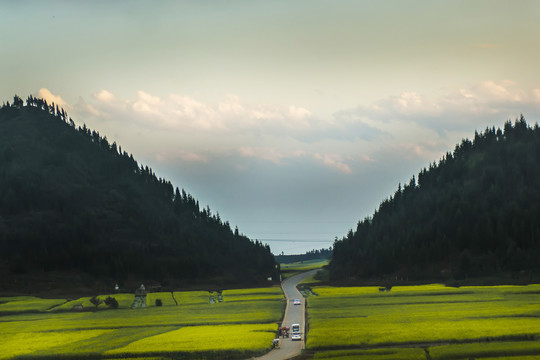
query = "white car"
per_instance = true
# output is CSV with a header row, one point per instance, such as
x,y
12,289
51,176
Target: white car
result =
x,y
297,302
296,337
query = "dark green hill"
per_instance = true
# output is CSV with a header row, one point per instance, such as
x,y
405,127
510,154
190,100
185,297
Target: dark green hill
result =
x,y
475,213
322,254
73,205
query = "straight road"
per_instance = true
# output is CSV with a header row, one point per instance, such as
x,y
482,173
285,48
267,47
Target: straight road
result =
x,y
294,314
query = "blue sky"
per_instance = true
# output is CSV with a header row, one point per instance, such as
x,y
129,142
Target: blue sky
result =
x,y
292,119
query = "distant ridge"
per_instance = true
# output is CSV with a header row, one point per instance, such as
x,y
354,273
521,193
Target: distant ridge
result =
x,y
474,214
318,254
73,206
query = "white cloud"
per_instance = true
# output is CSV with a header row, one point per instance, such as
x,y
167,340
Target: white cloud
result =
x,y
46,94
455,108
264,153
182,112
147,104
412,126
104,96
536,95
184,156
368,158
428,150
232,106
333,161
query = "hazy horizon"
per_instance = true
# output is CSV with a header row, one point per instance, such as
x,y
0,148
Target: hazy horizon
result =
x,y
293,120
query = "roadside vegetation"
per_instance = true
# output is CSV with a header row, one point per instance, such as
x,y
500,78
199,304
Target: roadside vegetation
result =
x,y
424,322
242,325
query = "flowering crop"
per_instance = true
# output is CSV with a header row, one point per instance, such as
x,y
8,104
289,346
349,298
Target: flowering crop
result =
x,y
244,323
363,316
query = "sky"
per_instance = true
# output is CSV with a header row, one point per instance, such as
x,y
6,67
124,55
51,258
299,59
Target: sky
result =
x,y
291,119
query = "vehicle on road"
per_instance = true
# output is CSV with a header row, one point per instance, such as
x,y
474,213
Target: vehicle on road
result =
x,y
295,328
297,302
296,337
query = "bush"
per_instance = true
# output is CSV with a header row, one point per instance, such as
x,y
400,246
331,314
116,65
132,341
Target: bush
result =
x,y
95,301
111,302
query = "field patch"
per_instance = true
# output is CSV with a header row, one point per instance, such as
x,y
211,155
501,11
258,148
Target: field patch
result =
x,y
124,301
27,304
501,349
375,354
28,343
257,337
290,269
426,316
242,326
273,293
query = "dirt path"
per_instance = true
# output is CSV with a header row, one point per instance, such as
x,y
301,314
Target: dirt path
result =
x,y
294,314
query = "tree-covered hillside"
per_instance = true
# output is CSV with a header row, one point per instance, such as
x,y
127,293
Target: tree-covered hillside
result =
x,y
475,213
308,255
71,202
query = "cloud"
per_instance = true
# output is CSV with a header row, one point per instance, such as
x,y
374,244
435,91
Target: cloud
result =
x,y
352,126
264,153
299,112
229,119
147,104
453,109
184,156
182,112
104,96
411,127
333,161
46,94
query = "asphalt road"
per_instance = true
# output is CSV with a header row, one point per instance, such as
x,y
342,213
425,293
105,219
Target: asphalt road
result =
x,y
294,314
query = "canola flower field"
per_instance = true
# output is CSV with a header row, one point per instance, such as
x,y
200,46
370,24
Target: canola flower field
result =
x,y
241,326
425,322
290,269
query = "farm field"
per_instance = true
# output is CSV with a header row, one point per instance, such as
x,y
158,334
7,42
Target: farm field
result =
x,y
290,269
241,326
425,322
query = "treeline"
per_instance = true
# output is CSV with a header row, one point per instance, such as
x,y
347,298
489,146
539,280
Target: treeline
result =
x,y
475,213
72,202
308,255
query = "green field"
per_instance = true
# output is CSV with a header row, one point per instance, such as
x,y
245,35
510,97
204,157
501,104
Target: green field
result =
x,y
290,269
241,326
425,322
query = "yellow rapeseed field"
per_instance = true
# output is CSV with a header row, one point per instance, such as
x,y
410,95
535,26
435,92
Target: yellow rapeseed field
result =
x,y
205,338
360,317
244,323
27,304
25,343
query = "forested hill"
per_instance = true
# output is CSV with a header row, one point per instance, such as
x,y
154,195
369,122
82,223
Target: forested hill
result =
x,y
74,205
475,213
322,254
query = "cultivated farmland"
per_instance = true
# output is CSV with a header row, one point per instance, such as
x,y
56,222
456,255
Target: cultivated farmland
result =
x,y
241,326
424,322
290,269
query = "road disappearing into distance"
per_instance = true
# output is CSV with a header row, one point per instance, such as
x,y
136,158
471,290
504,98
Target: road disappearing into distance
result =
x,y
294,314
